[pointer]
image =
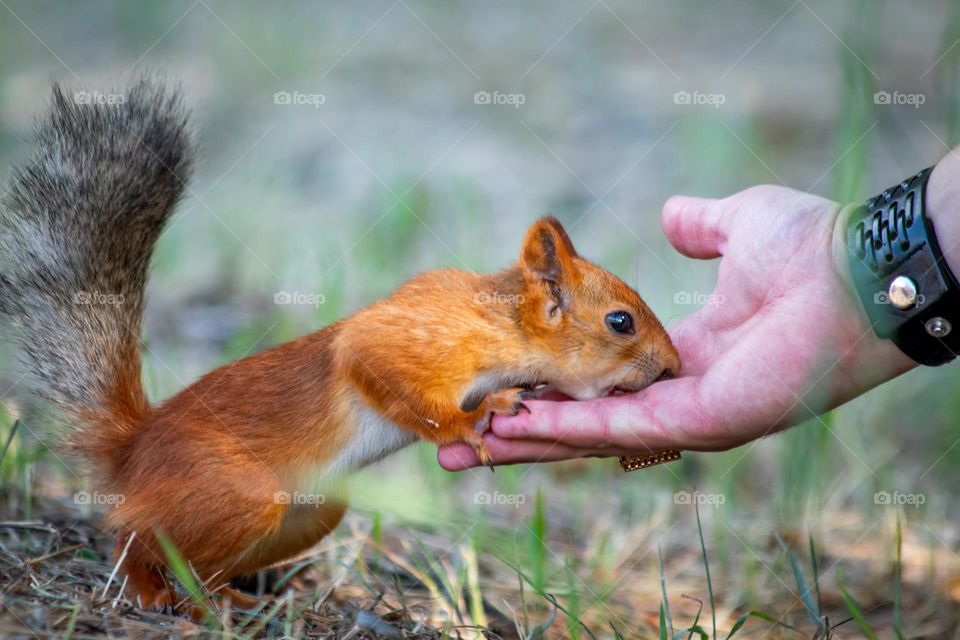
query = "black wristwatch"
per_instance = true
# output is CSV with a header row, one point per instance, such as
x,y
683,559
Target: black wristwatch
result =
x,y
908,291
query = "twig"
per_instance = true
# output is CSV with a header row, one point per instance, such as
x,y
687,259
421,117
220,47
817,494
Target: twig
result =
x,y
53,554
116,566
123,586
32,526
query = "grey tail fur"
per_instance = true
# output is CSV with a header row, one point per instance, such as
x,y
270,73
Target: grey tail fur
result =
x,y
77,228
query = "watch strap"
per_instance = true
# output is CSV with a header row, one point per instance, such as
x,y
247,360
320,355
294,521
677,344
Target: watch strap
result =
x,y
909,293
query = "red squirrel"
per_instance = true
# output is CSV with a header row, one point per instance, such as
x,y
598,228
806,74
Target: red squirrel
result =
x,y
435,360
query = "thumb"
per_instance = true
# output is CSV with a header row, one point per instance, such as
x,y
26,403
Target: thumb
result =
x,y
695,226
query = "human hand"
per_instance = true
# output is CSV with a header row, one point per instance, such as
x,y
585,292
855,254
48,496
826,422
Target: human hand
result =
x,y
781,341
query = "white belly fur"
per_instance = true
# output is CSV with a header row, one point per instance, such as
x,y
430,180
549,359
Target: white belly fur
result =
x,y
374,437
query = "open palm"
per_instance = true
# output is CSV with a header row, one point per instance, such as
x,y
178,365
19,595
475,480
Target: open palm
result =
x,y
780,340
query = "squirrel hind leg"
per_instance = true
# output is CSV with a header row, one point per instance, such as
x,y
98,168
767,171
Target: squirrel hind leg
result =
x,y
146,577
240,600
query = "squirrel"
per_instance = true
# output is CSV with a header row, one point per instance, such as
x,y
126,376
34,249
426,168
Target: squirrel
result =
x,y
435,360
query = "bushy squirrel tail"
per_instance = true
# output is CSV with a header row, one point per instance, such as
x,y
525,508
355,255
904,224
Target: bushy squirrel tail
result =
x,y
77,228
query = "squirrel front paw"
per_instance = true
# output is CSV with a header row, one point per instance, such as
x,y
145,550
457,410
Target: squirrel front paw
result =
x,y
475,440
506,402
469,427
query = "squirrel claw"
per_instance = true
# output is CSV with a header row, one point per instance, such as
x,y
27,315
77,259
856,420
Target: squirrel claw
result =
x,y
519,406
480,447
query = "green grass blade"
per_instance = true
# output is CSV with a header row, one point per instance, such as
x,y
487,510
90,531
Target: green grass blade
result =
x,y
947,73
897,585
266,619
6,444
71,625
700,631
801,581
854,609
536,544
540,629
706,565
557,605
474,590
664,633
816,570
616,632
573,604
549,597
184,575
762,616
663,591
696,619
523,601
856,115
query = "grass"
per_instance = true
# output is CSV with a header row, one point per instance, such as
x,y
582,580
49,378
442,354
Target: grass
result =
x,y
465,586
799,548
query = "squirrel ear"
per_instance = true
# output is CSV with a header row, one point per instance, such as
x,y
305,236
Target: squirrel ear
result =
x,y
547,252
553,222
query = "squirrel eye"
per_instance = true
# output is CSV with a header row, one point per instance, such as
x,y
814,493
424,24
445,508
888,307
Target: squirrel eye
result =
x,y
619,322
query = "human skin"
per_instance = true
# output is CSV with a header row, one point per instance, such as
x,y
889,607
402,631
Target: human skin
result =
x,y
784,338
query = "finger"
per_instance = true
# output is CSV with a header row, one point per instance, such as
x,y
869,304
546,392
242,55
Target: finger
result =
x,y
458,457
668,415
694,226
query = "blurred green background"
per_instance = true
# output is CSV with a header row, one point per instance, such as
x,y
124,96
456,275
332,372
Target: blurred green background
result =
x,y
387,160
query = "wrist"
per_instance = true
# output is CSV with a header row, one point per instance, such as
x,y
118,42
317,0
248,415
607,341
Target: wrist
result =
x,y
943,201
840,255
898,269
877,359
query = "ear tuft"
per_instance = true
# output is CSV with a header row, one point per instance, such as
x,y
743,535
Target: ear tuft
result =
x,y
564,238
547,252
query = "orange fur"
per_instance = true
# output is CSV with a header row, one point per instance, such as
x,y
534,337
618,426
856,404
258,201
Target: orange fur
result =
x,y
434,360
